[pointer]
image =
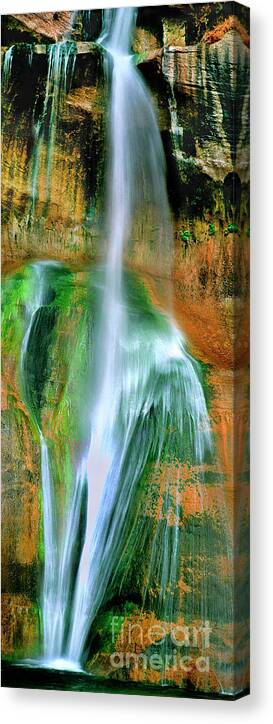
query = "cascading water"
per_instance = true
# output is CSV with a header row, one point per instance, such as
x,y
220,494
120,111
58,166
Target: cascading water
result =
x,y
176,129
142,384
38,297
127,367
9,56
61,63
7,66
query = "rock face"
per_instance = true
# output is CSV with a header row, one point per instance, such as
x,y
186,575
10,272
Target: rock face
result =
x,y
49,26
195,60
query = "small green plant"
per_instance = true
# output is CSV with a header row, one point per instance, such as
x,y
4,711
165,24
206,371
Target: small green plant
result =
x,y
139,58
231,229
185,235
211,229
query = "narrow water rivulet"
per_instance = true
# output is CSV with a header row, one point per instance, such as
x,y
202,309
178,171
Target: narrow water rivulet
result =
x,y
61,63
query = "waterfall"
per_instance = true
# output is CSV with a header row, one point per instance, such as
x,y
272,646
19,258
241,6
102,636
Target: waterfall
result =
x,y
128,367
142,382
7,66
10,53
169,70
38,297
61,64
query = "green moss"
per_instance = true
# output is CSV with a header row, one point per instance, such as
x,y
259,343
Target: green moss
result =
x,y
185,235
139,58
16,291
231,229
